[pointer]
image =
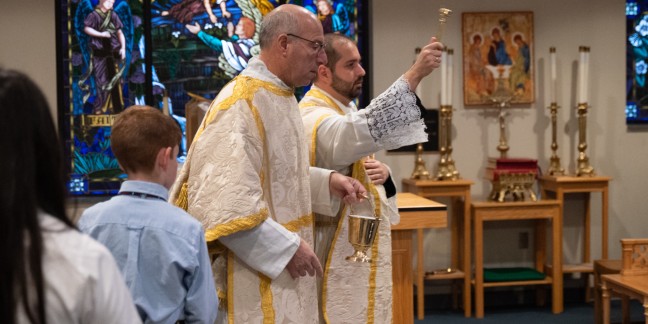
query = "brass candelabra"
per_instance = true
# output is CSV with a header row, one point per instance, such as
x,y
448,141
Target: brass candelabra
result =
x,y
554,166
583,167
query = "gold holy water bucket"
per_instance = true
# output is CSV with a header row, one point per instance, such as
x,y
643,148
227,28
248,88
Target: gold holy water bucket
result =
x,y
362,232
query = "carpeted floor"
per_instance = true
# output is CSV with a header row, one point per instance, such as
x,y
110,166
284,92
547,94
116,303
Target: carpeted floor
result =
x,y
576,313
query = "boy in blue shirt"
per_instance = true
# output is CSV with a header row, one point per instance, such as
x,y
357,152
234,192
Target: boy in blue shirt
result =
x,y
159,248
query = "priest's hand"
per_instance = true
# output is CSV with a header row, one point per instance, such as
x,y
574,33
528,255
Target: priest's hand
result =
x,y
428,60
377,172
350,190
304,261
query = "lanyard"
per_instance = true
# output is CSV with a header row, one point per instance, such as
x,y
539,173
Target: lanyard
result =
x,y
140,195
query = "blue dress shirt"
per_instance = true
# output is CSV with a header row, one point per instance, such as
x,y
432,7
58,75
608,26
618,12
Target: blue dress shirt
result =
x,y
160,250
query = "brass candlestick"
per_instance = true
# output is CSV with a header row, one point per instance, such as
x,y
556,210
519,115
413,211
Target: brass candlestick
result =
x,y
420,172
554,167
443,150
447,169
583,166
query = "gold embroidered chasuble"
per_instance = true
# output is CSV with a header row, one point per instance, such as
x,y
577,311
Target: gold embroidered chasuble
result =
x,y
350,292
248,163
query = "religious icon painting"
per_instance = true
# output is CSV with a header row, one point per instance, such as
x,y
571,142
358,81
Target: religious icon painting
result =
x,y
497,55
636,109
169,54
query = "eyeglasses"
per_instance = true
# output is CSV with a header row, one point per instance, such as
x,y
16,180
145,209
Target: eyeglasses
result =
x,y
318,46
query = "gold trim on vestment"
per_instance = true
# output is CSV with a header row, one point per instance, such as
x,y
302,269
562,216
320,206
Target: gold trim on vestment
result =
x,y
360,173
238,224
265,283
313,151
230,287
222,298
316,93
266,299
328,264
299,223
182,200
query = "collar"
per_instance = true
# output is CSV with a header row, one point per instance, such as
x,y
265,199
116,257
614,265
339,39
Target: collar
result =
x,y
258,70
145,188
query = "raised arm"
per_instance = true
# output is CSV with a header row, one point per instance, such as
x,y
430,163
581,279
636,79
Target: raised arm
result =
x,y
428,60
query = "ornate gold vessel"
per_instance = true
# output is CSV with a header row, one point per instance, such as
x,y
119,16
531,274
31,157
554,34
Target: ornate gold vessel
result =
x,y
362,233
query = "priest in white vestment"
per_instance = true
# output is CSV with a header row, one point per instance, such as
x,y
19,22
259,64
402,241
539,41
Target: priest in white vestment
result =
x,y
248,180
341,138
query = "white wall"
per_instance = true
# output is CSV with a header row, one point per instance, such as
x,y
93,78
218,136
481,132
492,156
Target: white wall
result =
x,y
614,149
27,35
28,42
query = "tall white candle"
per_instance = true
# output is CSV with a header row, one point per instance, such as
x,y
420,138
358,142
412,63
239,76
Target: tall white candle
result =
x,y
585,74
417,51
581,74
449,78
552,66
444,79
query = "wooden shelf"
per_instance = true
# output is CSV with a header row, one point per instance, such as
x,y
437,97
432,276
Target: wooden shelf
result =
x,y
457,274
573,268
545,281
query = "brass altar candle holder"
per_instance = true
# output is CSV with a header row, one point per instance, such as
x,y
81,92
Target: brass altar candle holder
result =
x,y
420,171
362,233
583,169
554,166
447,169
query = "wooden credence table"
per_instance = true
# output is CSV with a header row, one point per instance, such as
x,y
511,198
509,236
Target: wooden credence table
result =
x,y
541,211
459,193
416,213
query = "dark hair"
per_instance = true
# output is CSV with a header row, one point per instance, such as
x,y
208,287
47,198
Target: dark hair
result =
x,y
138,134
518,36
332,40
32,178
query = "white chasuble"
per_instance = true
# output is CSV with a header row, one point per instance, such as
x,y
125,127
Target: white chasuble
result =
x,y
337,135
248,164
